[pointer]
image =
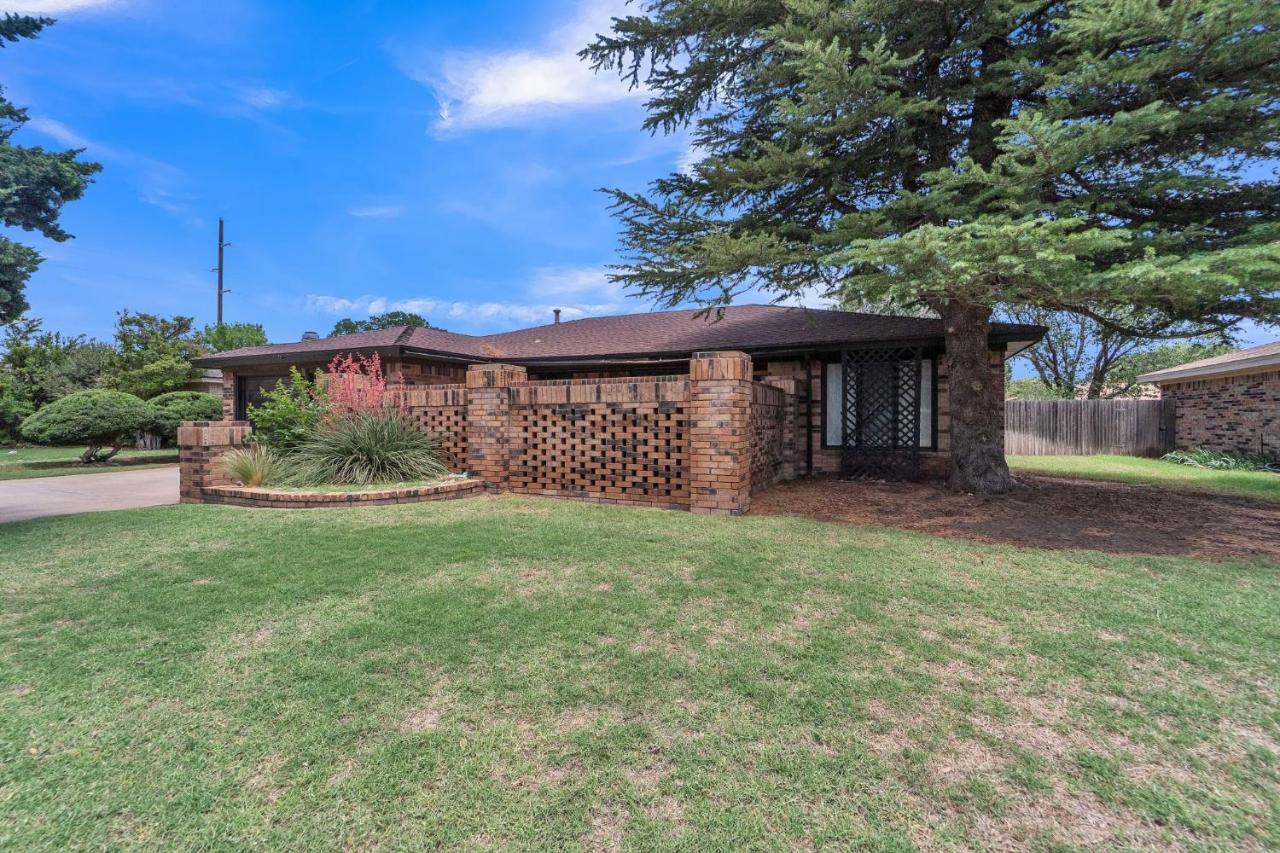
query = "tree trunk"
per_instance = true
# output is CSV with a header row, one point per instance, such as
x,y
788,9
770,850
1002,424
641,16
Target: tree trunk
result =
x,y
90,454
977,401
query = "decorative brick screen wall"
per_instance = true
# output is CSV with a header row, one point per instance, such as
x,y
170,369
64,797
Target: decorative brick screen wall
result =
x,y
442,411
602,440
772,426
701,442
1232,414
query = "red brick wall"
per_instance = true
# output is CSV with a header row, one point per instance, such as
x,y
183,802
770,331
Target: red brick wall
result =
x,y
1233,414
603,440
700,441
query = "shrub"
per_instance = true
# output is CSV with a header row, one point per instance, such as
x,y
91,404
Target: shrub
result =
x,y
355,383
96,418
289,413
178,406
252,465
1217,461
361,448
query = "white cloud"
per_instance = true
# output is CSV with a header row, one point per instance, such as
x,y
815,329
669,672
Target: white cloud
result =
x,y
689,157
479,89
576,291
58,7
377,211
263,97
159,183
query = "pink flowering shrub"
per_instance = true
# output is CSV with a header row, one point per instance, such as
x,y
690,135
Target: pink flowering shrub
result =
x,y
355,383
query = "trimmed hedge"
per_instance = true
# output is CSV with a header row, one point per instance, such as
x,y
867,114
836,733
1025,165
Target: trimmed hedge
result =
x,y
177,406
96,418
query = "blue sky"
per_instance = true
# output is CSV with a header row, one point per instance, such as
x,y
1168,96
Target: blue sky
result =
x,y
438,157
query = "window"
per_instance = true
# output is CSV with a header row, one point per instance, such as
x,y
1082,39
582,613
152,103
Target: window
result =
x,y
833,390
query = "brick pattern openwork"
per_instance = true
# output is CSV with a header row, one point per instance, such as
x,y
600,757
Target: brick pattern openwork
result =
x,y
769,430
614,452
442,411
701,441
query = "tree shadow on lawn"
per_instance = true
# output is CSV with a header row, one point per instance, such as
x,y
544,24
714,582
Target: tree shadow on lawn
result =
x,y
1047,512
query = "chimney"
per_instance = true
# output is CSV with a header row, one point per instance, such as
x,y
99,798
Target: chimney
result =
x,y
311,336
557,313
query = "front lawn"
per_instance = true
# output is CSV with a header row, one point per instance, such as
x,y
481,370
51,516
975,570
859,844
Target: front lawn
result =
x,y
18,463
1153,472
519,672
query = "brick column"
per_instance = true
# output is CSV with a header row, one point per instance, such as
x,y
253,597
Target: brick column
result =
x,y
790,424
719,447
228,395
488,421
201,445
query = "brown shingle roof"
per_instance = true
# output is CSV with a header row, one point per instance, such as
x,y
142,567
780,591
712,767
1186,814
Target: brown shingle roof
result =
x,y
1262,357
661,333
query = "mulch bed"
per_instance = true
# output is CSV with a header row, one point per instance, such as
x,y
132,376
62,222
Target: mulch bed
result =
x,y
1047,512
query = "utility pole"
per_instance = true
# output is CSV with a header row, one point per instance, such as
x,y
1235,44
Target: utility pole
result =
x,y
222,244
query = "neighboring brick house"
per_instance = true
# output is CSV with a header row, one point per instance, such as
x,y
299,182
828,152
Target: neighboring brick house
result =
x,y
896,390
1230,403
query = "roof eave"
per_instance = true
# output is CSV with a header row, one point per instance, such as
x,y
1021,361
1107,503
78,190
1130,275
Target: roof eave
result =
x,y
1257,364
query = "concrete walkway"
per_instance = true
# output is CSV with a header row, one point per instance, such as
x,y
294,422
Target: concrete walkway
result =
x,y
34,498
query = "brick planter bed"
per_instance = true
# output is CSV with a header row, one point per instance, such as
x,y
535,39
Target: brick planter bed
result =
x,y
281,499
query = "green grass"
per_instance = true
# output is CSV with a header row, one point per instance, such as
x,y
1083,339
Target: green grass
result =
x,y
1153,472
21,462
503,672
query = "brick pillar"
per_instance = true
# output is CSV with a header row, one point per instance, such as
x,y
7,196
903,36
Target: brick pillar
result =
x,y
228,395
488,421
201,445
719,448
790,424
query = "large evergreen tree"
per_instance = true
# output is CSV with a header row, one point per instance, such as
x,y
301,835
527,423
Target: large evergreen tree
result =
x,y
34,184
1097,156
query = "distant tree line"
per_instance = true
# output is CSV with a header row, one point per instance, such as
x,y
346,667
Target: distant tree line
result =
x,y
148,356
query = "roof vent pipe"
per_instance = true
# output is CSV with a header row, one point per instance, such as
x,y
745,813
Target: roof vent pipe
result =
x,y
556,311
311,336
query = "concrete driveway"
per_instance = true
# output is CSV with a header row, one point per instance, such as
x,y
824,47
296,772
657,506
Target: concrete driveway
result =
x,y
23,499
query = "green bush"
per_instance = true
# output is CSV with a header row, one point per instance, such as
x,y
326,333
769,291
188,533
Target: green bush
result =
x,y
177,406
94,418
290,412
15,408
252,465
366,447
1217,461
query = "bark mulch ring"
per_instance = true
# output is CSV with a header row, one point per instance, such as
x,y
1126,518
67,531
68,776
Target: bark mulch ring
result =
x,y
1046,512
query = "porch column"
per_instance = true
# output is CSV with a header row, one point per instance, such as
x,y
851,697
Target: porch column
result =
x,y
228,395
201,446
489,421
719,446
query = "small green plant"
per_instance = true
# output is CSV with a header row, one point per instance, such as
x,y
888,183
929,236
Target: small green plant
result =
x,y
1218,461
365,447
96,418
290,412
178,406
253,465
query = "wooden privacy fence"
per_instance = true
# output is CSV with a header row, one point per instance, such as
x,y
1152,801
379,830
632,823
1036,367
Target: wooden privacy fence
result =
x,y
1067,427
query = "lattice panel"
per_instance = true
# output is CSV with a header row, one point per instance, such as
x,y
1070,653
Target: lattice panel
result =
x,y
634,452
768,427
881,413
449,425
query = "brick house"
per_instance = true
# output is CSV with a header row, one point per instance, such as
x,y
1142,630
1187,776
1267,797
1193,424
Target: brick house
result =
x,y
1230,403
865,383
